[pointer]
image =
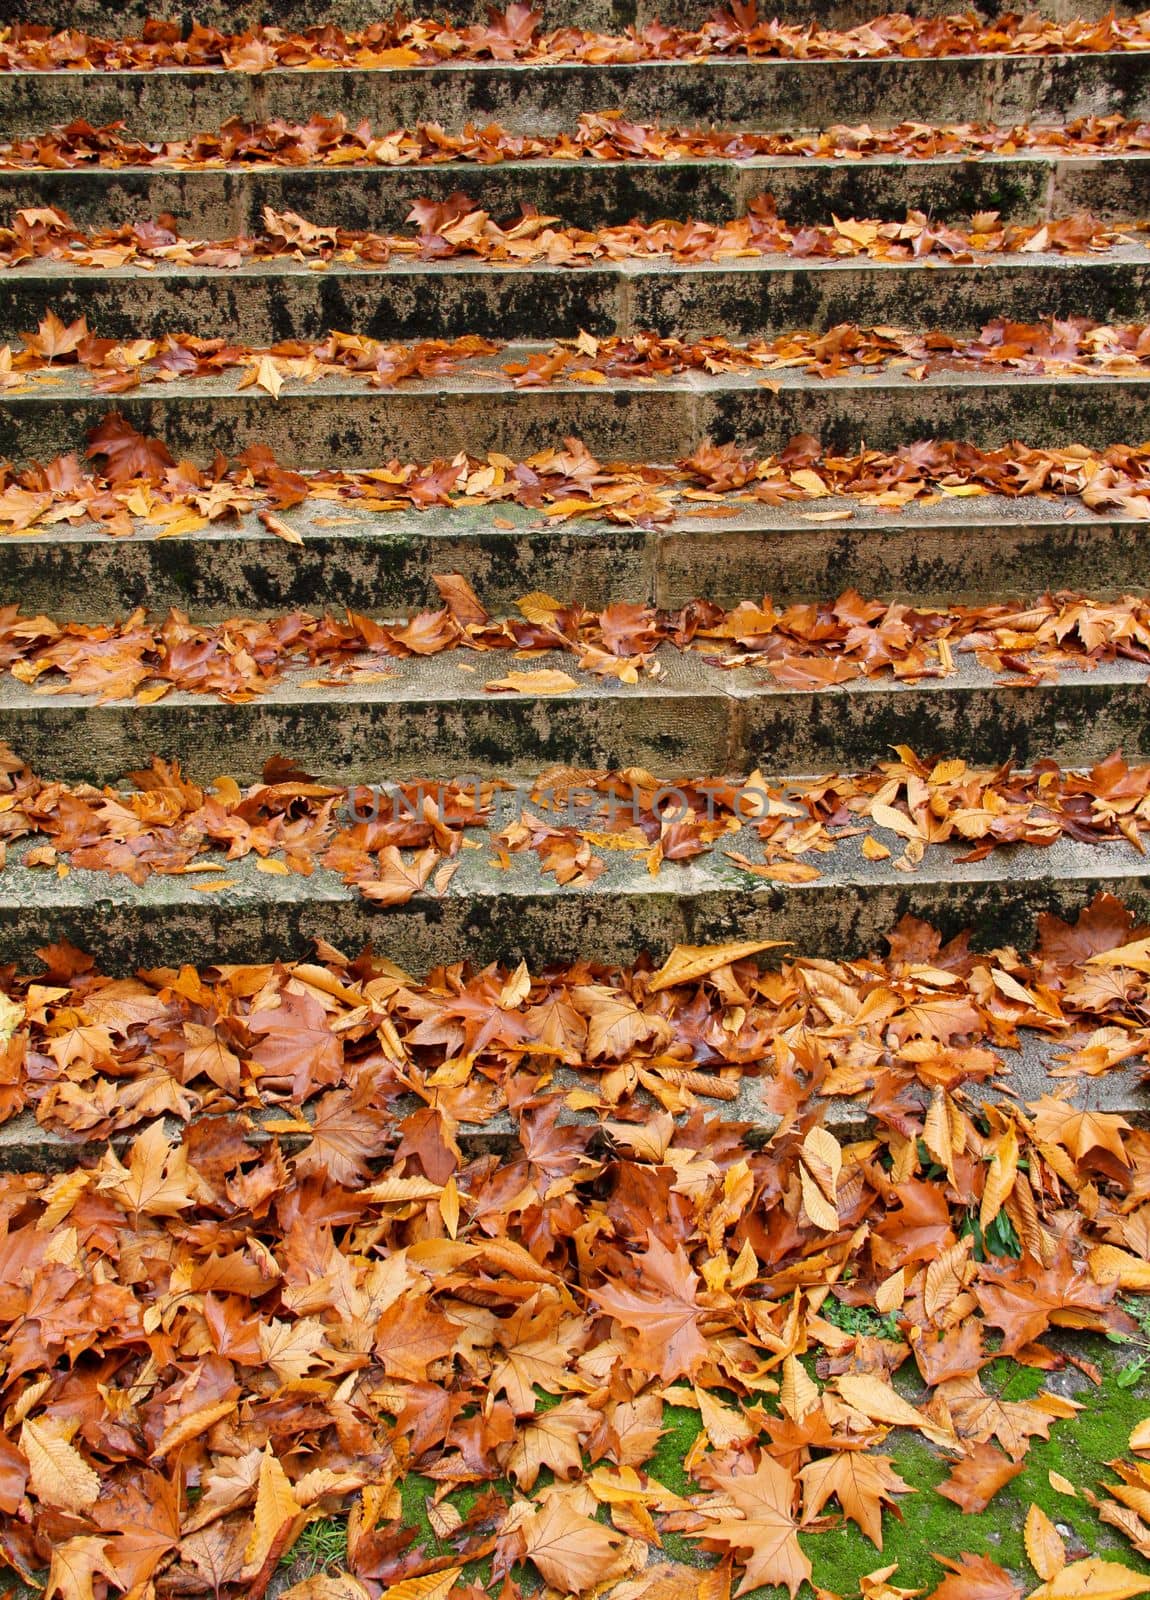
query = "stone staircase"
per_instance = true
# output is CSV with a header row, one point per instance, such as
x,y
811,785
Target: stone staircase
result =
x,y
430,720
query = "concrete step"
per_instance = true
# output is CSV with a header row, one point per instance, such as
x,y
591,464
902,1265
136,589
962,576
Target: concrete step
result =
x,y
341,419
222,202
488,913
950,553
432,717
27,1145
539,99
263,302
120,18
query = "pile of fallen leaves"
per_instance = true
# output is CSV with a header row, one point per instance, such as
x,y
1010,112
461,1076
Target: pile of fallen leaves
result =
x,y
330,140
456,228
289,822
138,481
803,645
513,35
212,1337
1061,346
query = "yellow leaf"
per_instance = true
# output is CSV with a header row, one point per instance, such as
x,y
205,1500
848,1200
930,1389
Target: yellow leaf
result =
x,y
11,1016
278,869
545,681
149,696
57,1472
191,523
897,821
269,377
1044,1547
1109,1264
432,1586
275,1510
1062,1485
890,1293
725,1426
816,1205
1136,956
538,607
1093,1579
280,528
1000,1177
687,962
75,1563
862,233
449,1206
875,1399
798,1393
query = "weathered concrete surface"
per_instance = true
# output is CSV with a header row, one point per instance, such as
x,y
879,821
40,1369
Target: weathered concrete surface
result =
x,y
487,913
758,94
269,301
116,18
341,420
217,202
953,552
434,718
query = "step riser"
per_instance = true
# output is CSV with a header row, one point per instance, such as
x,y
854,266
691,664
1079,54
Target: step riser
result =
x,y
831,921
312,429
220,204
701,732
120,18
261,307
785,95
387,572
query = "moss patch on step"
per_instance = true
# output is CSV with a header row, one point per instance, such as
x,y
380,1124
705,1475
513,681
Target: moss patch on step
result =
x,y
1078,1450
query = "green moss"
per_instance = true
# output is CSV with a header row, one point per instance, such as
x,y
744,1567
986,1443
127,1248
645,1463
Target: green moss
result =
x,y
1078,1449
683,1427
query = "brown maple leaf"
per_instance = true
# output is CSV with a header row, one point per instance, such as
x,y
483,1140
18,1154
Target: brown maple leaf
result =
x,y
761,1521
663,1312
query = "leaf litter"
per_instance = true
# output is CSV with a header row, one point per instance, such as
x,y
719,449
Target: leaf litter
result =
x,y
332,140
237,1323
513,34
1066,346
392,841
456,228
802,645
137,481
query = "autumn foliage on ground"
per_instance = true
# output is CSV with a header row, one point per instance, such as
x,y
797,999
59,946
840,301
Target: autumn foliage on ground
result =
x,y
800,646
1058,346
395,841
514,34
214,1336
598,136
455,228
137,480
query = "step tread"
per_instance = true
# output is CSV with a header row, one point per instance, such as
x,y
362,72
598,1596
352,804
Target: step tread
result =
x,y
73,384
458,677
492,914
26,1144
981,513
478,878
1134,254
346,171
